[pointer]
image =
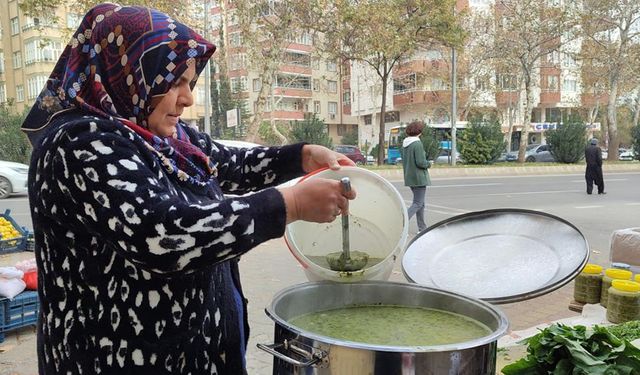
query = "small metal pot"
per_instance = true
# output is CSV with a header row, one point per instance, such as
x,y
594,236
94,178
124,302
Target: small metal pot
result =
x,y
301,352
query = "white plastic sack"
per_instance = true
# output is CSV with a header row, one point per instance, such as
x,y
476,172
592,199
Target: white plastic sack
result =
x,y
28,265
11,287
11,273
625,246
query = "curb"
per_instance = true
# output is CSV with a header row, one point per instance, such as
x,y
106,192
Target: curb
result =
x,y
490,171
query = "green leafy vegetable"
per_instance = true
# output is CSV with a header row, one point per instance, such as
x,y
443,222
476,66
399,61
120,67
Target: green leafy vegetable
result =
x,y
628,331
565,350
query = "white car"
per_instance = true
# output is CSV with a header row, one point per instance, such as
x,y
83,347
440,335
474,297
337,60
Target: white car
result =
x,y
625,154
13,178
238,144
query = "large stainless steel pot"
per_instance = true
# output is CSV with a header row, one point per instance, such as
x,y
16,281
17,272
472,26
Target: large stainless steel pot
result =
x,y
301,352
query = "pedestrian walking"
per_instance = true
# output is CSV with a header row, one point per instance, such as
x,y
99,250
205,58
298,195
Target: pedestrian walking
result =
x,y
416,171
593,173
137,241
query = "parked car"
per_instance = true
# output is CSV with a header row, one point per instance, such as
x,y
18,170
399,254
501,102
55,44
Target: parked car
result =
x,y
234,143
533,153
13,178
625,154
444,157
352,152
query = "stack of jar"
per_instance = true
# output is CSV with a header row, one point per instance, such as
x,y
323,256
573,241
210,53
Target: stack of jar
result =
x,y
615,291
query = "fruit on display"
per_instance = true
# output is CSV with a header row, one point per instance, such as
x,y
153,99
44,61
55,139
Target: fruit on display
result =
x,y
7,230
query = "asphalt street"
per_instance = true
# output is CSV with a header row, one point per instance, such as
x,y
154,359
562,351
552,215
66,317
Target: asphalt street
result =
x,y
271,268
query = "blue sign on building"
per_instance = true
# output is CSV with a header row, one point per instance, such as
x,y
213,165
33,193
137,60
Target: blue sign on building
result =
x,y
445,145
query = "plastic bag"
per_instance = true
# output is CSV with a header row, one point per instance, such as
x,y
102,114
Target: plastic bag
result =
x,y
11,287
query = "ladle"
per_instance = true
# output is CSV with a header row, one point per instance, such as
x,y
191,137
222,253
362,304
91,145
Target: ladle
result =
x,y
347,260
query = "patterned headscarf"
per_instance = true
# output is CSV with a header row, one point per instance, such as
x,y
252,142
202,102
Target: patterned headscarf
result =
x,y
116,62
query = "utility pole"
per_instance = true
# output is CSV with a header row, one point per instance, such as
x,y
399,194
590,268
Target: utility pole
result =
x,y
207,74
454,106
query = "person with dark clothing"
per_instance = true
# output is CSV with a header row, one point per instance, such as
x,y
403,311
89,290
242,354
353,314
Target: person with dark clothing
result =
x,y
593,174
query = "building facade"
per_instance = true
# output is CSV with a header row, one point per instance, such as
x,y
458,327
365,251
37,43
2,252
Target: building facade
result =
x,y
30,48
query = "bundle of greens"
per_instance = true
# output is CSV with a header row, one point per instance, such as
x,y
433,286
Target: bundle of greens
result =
x,y
628,331
560,350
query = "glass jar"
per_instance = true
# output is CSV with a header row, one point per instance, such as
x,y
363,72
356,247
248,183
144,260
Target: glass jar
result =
x,y
588,284
611,274
624,301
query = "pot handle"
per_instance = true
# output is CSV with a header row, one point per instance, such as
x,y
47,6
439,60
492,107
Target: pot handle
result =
x,y
312,357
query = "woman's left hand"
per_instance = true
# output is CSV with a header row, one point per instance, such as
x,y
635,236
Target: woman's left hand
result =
x,y
316,157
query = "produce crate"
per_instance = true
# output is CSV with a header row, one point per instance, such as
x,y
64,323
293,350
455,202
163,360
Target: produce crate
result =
x,y
13,244
19,312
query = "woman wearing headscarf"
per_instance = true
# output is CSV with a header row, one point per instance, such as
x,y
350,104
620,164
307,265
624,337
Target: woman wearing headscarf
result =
x,y
136,244
416,171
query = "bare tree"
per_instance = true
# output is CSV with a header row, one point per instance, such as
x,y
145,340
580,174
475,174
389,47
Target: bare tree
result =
x,y
525,32
380,33
612,27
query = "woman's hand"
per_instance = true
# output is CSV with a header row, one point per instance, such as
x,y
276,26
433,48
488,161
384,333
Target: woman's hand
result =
x,y
316,157
318,200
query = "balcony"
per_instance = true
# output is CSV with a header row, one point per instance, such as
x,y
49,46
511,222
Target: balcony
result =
x,y
435,98
549,96
506,98
295,69
346,109
425,66
284,115
293,92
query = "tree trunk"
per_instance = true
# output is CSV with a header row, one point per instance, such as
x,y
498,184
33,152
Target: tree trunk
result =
x,y
614,142
253,134
526,123
274,128
636,111
382,115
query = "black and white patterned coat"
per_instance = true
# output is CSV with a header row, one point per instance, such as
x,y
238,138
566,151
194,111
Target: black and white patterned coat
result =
x,y
137,272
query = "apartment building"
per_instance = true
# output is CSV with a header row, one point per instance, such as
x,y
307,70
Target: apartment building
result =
x,y
30,48
302,83
419,89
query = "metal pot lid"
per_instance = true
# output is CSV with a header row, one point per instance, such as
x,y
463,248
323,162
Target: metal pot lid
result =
x,y
500,256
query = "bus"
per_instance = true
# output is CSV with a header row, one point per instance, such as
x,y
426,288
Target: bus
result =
x,y
396,135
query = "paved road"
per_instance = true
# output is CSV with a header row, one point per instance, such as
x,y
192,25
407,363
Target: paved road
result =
x,y
271,268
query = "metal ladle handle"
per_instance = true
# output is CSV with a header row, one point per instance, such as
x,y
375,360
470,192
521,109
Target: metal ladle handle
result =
x,y
346,186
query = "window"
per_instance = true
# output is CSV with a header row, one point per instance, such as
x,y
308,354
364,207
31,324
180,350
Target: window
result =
x,y
316,106
238,84
315,63
200,99
333,109
552,114
73,20
3,93
15,26
404,83
569,60
342,130
19,93
569,85
316,85
296,58
332,86
257,84
1,62
304,38
293,81
346,97
17,60
438,84
552,83
35,85
235,39
237,61
37,50
392,116
331,66
434,55
367,119
507,81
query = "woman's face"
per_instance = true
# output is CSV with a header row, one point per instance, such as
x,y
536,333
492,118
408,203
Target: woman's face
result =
x,y
168,107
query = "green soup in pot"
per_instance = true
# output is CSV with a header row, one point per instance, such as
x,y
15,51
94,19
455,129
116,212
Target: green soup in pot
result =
x,y
392,325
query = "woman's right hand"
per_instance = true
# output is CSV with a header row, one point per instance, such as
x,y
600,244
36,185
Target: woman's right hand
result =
x,y
318,200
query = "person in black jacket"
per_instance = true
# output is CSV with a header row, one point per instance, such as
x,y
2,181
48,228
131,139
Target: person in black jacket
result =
x,y
593,173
